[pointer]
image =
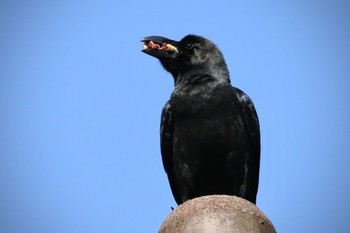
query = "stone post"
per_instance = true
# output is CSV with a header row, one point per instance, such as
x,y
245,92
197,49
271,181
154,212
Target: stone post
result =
x,y
217,214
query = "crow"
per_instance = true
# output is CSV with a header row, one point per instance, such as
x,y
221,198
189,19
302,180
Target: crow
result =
x,y
209,133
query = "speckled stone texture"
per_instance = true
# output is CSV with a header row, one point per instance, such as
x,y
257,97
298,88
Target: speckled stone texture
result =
x,y
217,213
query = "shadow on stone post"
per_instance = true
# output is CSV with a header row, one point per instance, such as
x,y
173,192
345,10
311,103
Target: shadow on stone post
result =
x,y
217,213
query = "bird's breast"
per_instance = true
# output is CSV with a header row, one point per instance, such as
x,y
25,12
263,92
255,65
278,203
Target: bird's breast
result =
x,y
196,101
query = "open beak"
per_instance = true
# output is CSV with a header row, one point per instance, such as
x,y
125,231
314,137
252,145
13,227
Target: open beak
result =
x,y
160,47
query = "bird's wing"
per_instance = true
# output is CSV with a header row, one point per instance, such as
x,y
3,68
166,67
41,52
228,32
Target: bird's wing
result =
x,y
251,121
166,146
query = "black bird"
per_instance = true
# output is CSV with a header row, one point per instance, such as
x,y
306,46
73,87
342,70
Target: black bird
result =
x,y
209,133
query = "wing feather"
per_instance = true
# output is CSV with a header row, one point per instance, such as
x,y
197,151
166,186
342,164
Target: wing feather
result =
x,y
166,145
251,121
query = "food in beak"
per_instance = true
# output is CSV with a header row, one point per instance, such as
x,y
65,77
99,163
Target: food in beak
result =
x,y
167,47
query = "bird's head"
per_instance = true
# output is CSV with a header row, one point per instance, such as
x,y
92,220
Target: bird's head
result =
x,y
192,54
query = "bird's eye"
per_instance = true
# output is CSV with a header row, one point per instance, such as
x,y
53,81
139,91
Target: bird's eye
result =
x,y
188,46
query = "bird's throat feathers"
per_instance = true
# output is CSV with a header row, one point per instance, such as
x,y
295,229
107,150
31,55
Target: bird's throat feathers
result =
x,y
202,76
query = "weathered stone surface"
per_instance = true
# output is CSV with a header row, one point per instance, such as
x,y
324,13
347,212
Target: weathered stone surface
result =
x,y
217,213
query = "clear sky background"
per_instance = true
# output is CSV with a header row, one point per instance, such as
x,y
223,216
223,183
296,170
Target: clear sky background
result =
x,y
80,110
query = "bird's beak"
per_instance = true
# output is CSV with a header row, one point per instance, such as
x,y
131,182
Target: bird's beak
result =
x,y
160,47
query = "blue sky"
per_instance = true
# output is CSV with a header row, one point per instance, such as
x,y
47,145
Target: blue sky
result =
x,y
80,109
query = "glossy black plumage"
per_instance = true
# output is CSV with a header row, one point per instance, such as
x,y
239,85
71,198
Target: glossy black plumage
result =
x,y
210,137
